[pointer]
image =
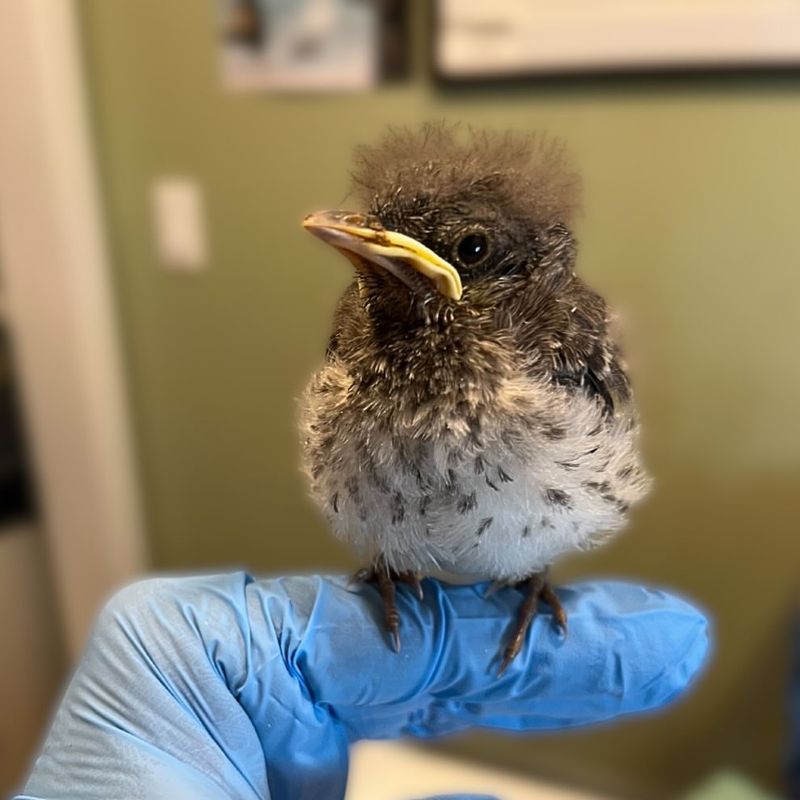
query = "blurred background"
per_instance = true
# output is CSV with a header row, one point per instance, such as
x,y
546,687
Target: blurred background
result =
x,y
162,309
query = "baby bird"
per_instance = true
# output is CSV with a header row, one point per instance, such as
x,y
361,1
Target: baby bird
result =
x,y
473,417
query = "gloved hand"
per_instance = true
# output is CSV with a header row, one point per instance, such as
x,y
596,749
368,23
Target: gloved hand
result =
x,y
227,687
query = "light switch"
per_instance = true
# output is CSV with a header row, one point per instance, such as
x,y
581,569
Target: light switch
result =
x,y
179,219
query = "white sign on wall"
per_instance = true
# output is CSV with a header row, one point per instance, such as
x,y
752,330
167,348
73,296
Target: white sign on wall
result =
x,y
478,39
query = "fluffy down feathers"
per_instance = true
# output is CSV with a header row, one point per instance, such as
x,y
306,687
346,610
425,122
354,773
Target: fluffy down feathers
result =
x,y
447,163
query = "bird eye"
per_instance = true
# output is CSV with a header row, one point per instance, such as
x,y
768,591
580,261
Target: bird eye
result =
x,y
472,249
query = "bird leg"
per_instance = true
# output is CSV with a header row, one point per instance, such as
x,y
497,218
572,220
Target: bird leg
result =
x,y
385,579
536,588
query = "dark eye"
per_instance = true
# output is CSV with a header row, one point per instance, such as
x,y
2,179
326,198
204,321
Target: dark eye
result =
x,y
472,248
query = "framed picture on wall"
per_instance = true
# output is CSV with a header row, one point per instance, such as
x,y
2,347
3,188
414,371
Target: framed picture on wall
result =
x,y
312,45
506,38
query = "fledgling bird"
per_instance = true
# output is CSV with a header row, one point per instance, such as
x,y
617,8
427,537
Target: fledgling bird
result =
x,y
473,416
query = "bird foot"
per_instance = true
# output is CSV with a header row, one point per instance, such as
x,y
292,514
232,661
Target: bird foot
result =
x,y
385,579
536,588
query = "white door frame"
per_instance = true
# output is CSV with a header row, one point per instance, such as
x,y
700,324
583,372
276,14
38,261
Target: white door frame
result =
x,y
56,292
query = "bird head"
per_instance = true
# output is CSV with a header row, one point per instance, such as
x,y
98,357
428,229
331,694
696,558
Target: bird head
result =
x,y
455,221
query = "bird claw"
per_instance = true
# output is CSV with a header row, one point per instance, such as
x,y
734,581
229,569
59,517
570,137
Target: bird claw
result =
x,y
537,589
504,665
412,580
385,579
559,615
363,575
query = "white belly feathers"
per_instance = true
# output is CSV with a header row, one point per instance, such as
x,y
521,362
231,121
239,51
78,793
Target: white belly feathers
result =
x,y
545,474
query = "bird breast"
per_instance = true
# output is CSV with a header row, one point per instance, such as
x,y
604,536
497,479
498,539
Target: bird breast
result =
x,y
494,484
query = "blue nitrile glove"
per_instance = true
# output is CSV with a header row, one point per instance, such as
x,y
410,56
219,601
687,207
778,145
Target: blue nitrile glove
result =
x,y
227,687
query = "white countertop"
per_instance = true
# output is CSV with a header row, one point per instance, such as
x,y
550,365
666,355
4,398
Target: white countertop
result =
x,y
399,771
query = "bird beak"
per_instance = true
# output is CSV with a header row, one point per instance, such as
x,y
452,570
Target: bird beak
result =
x,y
362,237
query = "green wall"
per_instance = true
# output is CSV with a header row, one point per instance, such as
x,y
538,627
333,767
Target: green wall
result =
x,y
690,228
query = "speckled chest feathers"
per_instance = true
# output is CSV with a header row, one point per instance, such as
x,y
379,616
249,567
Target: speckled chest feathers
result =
x,y
488,431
